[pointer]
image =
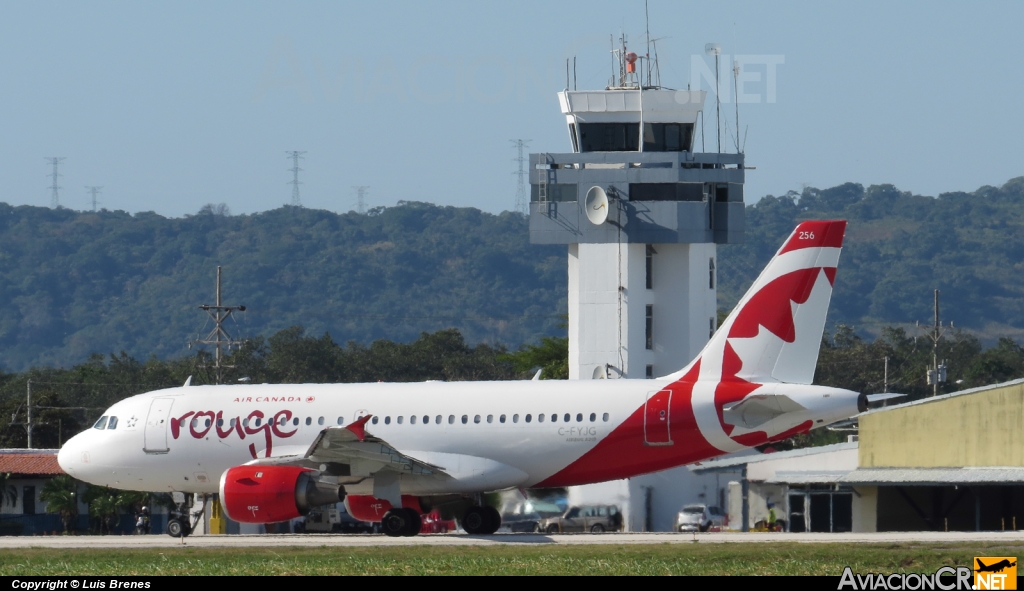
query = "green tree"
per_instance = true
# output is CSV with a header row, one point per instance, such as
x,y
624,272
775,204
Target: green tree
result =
x,y
8,492
60,494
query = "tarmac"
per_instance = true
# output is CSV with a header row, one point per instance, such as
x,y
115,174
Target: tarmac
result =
x,y
457,539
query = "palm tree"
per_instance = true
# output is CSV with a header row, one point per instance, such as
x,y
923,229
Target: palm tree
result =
x,y
8,492
61,496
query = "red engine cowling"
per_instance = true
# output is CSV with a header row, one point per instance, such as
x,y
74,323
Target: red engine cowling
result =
x,y
268,494
372,509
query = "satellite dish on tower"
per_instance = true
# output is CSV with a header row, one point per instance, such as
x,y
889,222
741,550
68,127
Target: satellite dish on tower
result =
x,y
596,205
713,49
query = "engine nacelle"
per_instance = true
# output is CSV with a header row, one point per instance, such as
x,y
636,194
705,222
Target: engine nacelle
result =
x,y
372,509
268,494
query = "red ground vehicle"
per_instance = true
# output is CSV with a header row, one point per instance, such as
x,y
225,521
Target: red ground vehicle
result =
x,y
433,523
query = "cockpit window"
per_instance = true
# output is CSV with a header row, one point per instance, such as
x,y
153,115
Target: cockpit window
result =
x,y
101,424
112,423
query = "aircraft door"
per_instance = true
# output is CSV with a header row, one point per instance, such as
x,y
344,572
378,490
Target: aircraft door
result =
x,y
157,423
657,422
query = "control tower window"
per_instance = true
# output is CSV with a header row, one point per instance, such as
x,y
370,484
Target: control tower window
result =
x,y
572,136
650,328
711,273
667,137
609,137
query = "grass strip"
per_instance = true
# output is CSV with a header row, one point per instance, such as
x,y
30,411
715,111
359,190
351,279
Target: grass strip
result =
x,y
653,559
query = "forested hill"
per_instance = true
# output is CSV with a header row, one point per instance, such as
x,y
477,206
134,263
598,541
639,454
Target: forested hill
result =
x,y
74,283
900,247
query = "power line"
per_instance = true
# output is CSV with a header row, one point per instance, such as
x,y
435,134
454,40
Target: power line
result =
x,y
522,202
361,197
54,187
94,191
295,155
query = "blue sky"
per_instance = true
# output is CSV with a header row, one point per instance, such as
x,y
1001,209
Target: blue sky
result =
x,y
170,106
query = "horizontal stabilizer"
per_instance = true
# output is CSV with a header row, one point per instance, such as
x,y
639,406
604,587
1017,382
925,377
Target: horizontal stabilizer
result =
x,y
757,410
881,397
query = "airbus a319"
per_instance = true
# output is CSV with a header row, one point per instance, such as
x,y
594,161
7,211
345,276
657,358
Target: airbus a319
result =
x,y
392,451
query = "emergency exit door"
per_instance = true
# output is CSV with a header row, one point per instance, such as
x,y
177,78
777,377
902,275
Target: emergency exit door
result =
x,y
657,422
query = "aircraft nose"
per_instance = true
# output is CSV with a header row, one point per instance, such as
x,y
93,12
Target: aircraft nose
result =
x,y
70,456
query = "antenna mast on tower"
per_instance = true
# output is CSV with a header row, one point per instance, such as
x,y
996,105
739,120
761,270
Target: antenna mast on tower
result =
x,y
54,188
522,201
93,191
295,155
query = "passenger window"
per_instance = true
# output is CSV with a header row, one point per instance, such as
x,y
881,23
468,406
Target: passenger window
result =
x,y
412,419
373,420
220,422
490,418
245,422
437,419
529,418
604,417
476,419
426,420
515,418
281,422
465,419
341,420
566,417
320,421
233,421
602,511
258,421
554,418
579,418
309,421
399,420
295,421
387,420
101,424
112,423
501,419
540,418
451,419
593,417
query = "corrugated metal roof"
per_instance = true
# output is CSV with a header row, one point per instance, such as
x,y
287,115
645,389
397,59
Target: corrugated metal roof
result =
x,y
935,476
740,460
809,477
30,462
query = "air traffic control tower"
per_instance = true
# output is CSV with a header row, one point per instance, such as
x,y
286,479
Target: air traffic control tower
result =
x,y
642,214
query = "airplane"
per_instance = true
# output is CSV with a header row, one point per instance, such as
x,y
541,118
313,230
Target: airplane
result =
x,y
393,451
994,568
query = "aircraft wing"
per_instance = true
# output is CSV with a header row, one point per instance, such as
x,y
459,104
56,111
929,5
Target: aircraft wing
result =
x,y
352,454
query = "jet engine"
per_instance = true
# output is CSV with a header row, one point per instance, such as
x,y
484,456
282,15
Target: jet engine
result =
x,y
268,494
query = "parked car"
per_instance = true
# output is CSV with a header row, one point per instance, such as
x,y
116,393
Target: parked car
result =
x,y
587,518
699,518
524,517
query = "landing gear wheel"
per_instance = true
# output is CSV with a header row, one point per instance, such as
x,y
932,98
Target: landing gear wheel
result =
x,y
413,523
476,521
597,529
395,523
178,528
493,518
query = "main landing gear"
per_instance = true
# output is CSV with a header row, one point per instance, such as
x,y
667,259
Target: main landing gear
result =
x,y
404,522
481,520
401,522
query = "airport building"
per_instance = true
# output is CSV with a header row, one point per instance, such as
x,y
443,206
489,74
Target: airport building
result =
x,y
949,463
